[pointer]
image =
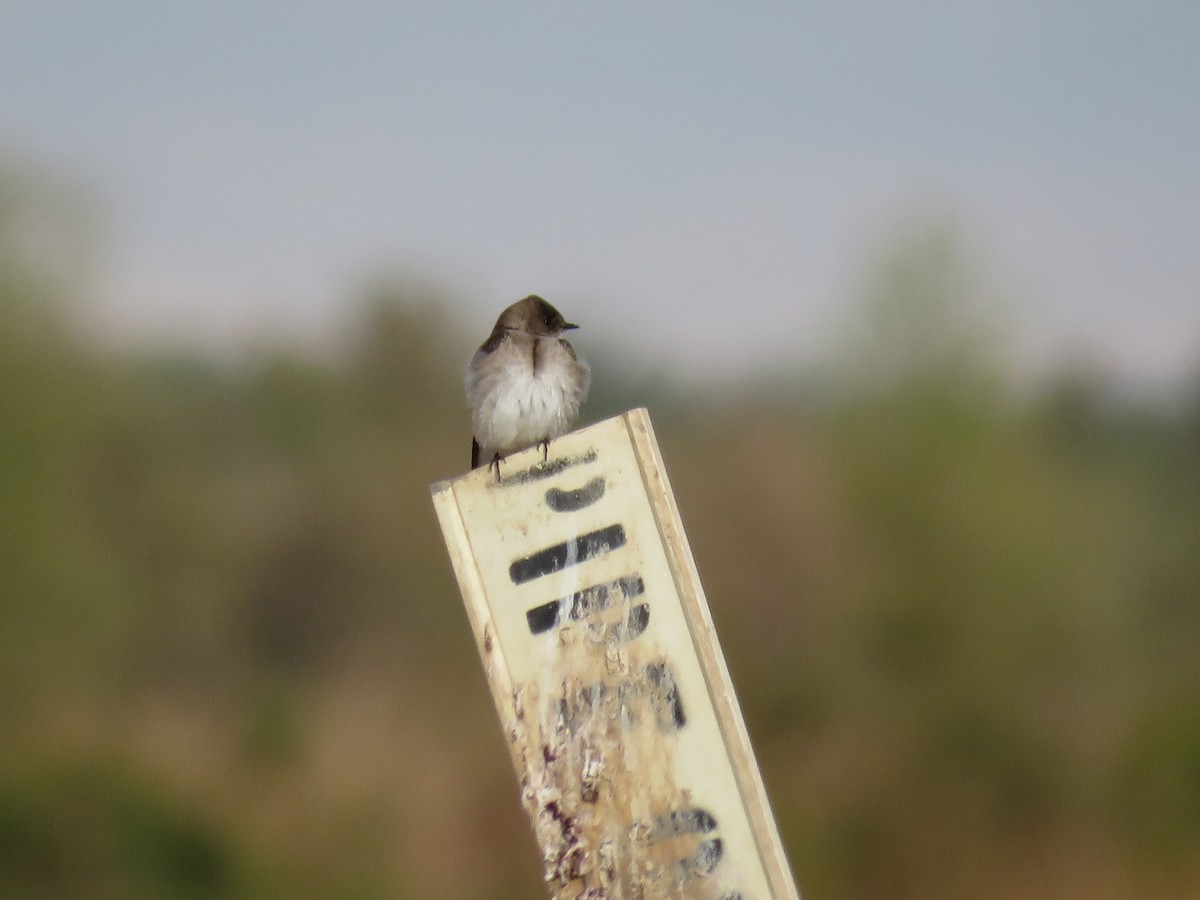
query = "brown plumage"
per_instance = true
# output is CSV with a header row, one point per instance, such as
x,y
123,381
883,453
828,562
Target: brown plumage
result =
x,y
525,384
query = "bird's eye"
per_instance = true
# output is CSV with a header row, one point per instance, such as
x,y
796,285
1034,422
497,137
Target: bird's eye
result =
x,y
547,319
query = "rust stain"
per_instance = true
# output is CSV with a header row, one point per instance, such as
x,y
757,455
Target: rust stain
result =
x,y
601,769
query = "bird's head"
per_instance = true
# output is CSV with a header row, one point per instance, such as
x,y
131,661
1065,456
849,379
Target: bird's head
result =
x,y
535,316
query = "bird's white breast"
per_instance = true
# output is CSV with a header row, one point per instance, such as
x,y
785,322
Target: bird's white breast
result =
x,y
514,405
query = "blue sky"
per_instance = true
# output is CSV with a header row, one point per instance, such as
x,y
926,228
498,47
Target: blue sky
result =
x,y
701,169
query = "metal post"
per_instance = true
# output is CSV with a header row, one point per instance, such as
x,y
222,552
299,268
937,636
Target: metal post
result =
x,y
600,652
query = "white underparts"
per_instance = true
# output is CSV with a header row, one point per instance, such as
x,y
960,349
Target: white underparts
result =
x,y
514,406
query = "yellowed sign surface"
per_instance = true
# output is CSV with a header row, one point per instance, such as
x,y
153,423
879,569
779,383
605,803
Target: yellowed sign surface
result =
x,y
600,653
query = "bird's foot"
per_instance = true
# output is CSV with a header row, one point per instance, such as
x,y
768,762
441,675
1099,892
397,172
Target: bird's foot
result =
x,y
545,445
495,465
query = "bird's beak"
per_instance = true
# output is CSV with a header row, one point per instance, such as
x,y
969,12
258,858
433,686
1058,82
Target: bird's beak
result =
x,y
567,326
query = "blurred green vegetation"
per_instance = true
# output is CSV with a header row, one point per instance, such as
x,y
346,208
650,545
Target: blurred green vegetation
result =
x,y
962,613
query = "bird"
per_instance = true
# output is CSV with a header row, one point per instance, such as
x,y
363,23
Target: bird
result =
x,y
525,384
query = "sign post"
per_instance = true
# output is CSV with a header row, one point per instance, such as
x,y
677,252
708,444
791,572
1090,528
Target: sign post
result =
x,y
633,760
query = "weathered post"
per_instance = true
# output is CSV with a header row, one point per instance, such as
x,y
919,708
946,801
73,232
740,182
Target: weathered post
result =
x,y
599,649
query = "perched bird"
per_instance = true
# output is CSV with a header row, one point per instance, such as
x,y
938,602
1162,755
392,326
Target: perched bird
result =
x,y
525,384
